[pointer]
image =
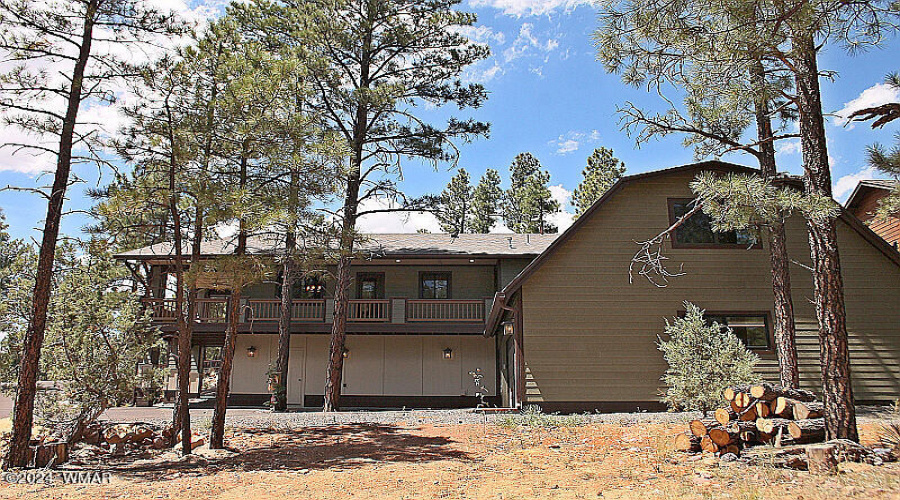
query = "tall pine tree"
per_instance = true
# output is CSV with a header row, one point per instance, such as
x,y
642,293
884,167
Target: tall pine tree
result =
x,y
603,170
486,202
455,212
528,203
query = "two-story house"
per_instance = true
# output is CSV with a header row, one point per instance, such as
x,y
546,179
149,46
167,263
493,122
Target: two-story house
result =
x,y
415,328
550,320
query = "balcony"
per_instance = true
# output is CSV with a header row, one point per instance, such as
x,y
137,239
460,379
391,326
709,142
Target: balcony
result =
x,y
321,311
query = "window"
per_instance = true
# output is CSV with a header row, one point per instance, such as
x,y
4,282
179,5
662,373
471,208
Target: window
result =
x,y
434,286
696,232
370,285
751,328
307,287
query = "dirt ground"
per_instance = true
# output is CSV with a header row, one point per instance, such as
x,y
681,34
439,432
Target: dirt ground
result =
x,y
403,461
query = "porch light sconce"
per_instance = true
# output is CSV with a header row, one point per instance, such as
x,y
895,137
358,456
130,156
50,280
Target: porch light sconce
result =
x,y
251,352
508,328
471,261
448,353
397,261
345,353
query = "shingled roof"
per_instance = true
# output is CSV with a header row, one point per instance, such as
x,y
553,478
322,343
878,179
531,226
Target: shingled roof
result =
x,y
387,244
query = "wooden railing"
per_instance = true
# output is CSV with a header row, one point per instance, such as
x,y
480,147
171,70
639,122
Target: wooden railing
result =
x,y
444,310
301,310
369,310
315,310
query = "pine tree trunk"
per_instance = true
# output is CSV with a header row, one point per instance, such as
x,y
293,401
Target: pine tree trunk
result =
x,y
284,323
785,337
840,413
23,412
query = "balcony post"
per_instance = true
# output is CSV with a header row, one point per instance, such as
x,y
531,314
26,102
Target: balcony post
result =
x,y
398,310
488,305
329,310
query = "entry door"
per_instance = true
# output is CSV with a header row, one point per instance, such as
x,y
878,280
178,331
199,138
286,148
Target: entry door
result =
x,y
295,385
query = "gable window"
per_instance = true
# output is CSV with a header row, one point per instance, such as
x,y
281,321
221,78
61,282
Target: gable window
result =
x,y
370,285
751,328
697,232
434,285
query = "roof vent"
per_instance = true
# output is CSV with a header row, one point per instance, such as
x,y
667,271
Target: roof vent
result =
x,y
509,239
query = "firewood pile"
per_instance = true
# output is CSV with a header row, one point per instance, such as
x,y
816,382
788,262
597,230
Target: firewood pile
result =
x,y
769,414
757,414
124,439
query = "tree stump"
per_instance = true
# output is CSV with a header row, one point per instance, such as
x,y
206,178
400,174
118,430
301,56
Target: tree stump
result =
x,y
821,459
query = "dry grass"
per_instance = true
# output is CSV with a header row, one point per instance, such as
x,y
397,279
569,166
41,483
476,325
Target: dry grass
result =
x,y
471,461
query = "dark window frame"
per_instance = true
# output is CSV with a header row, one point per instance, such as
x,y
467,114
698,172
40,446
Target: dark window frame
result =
x,y
423,275
767,324
368,276
677,244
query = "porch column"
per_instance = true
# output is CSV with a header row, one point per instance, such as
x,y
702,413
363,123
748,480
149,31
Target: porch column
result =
x,y
398,310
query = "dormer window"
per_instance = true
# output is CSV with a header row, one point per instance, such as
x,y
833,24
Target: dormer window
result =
x,y
697,232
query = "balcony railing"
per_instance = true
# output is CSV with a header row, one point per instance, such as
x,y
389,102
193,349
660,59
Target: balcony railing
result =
x,y
444,310
373,310
301,310
395,310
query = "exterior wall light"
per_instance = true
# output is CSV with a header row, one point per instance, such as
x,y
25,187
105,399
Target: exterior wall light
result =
x,y
508,328
345,353
251,352
448,353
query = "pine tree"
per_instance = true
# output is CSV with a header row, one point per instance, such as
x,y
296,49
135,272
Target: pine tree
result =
x,y
455,212
528,203
486,202
703,360
82,40
603,170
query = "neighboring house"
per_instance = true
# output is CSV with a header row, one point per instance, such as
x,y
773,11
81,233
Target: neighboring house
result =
x,y
415,331
565,329
864,201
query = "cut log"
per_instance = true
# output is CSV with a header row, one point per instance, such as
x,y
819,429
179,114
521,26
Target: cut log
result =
x,y
783,407
769,392
771,425
732,448
807,410
762,409
687,442
701,428
807,431
735,407
707,444
822,459
725,415
743,399
731,392
748,415
722,437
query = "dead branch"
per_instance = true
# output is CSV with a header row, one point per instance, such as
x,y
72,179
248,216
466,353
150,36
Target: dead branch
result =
x,y
651,259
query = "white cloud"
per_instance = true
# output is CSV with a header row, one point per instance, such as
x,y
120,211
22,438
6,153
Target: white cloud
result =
x,y
526,42
871,97
519,8
573,140
789,148
395,222
845,185
563,196
481,34
478,75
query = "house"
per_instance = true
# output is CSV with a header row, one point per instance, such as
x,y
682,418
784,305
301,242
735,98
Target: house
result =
x,y
864,201
549,320
417,309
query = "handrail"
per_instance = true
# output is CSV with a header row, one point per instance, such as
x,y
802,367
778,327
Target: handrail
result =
x,y
370,310
302,310
424,310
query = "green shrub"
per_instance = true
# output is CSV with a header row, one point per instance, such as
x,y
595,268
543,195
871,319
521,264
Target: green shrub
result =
x,y
533,416
703,360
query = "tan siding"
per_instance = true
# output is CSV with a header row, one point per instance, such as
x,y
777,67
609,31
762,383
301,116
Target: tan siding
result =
x,y
865,209
591,336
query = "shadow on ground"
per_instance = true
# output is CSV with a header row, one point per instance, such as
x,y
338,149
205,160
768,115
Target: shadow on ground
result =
x,y
341,447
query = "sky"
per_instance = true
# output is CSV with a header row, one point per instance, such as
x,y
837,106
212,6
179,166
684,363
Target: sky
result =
x,y
548,96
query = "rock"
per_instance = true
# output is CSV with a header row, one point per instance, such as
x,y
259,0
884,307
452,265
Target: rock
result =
x,y
728,458
196,441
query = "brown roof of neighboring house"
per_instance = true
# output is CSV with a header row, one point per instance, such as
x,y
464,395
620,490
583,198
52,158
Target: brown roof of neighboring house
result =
x,y
388,244
865,185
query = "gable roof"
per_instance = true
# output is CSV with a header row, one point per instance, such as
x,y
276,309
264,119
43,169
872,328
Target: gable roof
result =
x,y
866,185
715,165
387,244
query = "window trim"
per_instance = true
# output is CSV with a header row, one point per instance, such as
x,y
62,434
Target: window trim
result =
x,y
448,274
379,284
767,320
719,246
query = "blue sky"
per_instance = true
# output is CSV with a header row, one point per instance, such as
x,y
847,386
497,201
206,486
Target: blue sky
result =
x,y
549,96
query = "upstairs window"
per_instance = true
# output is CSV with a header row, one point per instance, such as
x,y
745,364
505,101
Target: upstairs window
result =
x,y
697,232
434,285
370,285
